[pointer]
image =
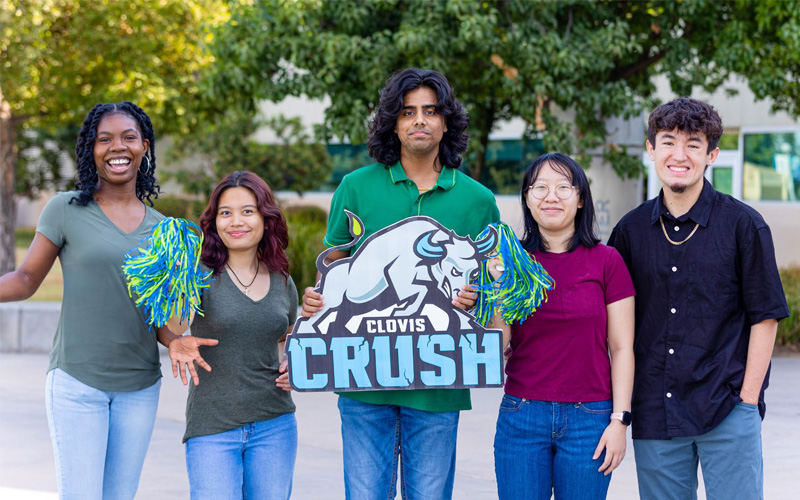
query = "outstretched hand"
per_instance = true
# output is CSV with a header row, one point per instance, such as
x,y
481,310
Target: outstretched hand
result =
x,y
184,352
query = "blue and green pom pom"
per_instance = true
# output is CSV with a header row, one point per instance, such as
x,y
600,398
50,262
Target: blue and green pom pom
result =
x,y
522,287
164,271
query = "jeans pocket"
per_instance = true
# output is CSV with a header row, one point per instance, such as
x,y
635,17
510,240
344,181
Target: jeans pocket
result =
x,y
510,403
598,407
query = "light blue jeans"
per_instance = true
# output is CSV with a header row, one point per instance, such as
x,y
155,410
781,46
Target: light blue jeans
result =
x,y
375,437
100,438
543,447
253,462
730,455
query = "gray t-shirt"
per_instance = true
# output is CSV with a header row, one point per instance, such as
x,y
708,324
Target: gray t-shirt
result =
x,y
240,388
102,338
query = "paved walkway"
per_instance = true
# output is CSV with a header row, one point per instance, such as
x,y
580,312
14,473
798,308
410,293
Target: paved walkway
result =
x,y
27,472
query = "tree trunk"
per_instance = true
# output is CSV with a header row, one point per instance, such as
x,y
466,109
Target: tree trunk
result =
x,y
8,173
486,120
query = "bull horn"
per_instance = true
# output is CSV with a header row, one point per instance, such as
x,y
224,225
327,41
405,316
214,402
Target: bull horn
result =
x,y
488,243
424,247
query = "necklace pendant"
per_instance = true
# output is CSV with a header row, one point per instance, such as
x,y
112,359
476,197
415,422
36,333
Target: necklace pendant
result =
x,y
246,291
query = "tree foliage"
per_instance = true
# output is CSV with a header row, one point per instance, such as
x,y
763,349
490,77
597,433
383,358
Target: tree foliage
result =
x,y
563,66
290,162
60,57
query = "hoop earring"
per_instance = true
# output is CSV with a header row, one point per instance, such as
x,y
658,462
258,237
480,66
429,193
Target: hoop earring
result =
x,y
146,168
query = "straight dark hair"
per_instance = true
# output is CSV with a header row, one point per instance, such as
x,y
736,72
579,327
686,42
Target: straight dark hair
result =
x,y
584,219
272,247
383,143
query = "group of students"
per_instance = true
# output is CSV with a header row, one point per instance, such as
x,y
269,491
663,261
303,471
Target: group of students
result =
x,y
575,377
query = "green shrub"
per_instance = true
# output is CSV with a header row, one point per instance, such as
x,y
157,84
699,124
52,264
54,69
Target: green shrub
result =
x,y
307,225
173,206
23,237
789,328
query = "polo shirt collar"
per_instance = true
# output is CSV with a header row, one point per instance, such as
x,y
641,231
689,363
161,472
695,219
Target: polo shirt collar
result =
x,y
699,213
445,181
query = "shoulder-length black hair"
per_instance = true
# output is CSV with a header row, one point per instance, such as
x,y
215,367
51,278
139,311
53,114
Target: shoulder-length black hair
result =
x,y
584,219
384,145
146,186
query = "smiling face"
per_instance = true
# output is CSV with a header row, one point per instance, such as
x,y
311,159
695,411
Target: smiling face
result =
x,y
554,216
239,224
680,159
119,149
419,127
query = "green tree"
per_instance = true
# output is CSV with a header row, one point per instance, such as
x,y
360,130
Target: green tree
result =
x,y
538,60
60,57
293,162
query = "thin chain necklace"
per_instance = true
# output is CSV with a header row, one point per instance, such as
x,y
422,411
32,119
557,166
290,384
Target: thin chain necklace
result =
x,y
246,287
661,219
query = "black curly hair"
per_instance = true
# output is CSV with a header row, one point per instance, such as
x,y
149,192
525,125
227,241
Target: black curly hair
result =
x,y
384,145
146,186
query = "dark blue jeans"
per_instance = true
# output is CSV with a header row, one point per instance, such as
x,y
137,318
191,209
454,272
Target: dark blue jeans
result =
x,y
544,447
374,437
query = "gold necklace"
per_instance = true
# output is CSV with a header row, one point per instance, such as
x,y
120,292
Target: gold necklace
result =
x,y
661,219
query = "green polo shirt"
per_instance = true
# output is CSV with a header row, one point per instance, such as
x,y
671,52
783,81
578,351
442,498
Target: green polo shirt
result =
x,y
381,196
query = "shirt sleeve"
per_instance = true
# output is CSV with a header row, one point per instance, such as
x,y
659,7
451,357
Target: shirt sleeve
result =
x,y
338,232
618,280
618,242
51,223
762,291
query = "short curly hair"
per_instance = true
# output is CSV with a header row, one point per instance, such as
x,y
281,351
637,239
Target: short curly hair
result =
x,y
146,187
687,115
384,145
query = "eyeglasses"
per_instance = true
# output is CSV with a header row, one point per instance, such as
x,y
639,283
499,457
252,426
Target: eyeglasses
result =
x,y
540,191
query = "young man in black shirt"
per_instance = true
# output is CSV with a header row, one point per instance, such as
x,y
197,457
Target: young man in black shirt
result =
x,y
708,303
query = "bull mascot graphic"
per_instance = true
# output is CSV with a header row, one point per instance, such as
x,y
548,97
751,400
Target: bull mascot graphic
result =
x,y
413,268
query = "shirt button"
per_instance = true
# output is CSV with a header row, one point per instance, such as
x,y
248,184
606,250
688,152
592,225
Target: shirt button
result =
x,y
674,269
673,310
669,394
409,183
672,351
677,228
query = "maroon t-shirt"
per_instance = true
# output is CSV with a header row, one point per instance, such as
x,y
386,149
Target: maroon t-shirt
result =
x,y
560,353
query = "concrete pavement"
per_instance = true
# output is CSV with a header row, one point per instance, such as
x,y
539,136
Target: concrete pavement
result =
x,y
27,471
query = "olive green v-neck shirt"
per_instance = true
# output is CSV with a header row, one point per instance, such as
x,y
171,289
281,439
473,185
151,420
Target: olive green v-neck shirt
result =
x,y
102,338
381,196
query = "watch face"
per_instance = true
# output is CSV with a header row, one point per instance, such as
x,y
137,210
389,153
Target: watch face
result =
x,y
626,417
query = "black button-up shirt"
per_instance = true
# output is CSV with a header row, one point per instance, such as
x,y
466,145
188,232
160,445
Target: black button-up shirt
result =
x,y
695,304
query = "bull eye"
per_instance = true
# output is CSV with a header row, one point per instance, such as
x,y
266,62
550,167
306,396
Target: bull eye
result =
x,y
473,276
455,272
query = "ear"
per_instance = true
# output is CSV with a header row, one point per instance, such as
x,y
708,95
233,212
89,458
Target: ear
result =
x,y
712,157
580,202
651,150
146,145
445,126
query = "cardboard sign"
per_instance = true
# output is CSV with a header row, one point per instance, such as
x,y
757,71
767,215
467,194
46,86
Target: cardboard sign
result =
x,y
388,321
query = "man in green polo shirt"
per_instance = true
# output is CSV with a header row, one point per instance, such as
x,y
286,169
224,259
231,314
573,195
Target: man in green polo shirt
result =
x,y
417,136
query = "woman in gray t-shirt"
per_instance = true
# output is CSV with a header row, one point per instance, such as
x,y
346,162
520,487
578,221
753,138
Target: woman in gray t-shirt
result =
x,y
241,433
104,377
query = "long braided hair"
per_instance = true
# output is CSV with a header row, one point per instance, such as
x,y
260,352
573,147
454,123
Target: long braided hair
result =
x,y
146,187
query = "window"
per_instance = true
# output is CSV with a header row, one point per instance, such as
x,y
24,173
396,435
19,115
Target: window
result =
x,y
771,166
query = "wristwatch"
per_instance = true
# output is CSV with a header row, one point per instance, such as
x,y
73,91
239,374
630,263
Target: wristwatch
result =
x,y
624,417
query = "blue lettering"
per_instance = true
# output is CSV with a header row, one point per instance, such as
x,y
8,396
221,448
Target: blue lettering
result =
x,y
344,365
471,358
383,361
425,345
299,369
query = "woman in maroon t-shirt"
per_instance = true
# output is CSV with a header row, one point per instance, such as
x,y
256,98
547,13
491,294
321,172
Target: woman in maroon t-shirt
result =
x,y
566,408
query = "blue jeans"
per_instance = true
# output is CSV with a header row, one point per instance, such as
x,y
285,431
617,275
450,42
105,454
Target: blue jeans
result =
x,y
374,437
543,447
99,437
254,461
730,455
